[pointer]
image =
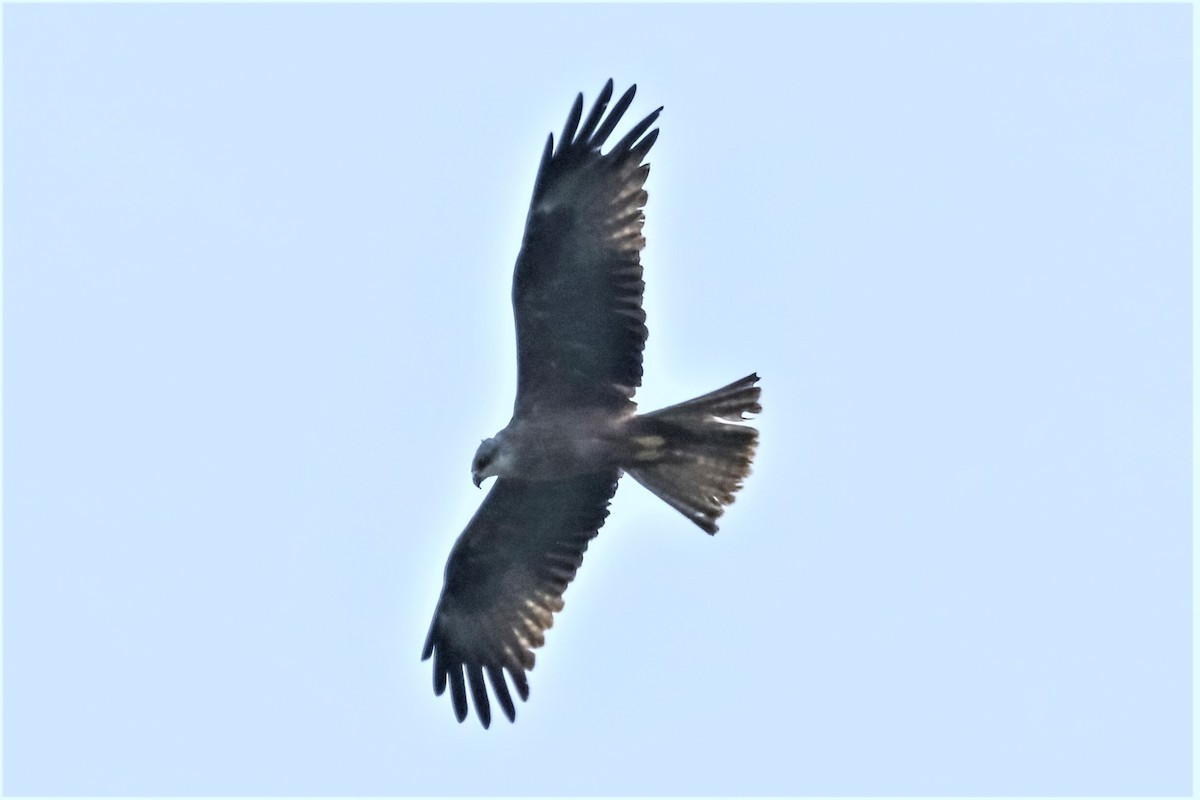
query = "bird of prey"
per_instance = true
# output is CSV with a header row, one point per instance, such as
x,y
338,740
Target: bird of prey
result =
x,y
577,301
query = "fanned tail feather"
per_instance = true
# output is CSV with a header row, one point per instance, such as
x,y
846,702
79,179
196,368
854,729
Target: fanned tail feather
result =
x,y
695,455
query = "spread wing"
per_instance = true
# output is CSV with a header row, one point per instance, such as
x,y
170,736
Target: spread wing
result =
x,y
504,581
577,286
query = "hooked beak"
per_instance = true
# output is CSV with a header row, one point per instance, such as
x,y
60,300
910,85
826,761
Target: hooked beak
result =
x,y
476,479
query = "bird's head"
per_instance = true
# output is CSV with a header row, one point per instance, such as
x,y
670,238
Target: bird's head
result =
x,y
484,465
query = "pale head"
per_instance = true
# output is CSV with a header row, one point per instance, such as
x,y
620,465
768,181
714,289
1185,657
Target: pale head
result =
x,y
485,464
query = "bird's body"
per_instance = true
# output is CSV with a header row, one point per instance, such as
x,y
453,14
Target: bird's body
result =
x,y
559,443
577,304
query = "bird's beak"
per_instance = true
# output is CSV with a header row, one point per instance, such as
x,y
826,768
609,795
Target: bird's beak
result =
x,y
476,479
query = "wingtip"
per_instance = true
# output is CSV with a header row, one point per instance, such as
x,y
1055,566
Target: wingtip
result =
x,y
521,683
572,124
458,693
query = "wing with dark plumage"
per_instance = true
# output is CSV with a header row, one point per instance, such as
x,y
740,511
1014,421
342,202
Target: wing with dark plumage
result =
x,y
577,286
504,581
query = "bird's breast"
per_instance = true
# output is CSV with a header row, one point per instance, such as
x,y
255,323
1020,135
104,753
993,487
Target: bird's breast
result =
x,y
564,445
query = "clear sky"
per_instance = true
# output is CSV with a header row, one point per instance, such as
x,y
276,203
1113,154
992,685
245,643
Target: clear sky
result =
x,y
256,321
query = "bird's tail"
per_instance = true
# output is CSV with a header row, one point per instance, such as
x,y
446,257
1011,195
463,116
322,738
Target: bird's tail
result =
x,y
694,455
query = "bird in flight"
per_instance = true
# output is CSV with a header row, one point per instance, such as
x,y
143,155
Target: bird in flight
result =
x,y
577,301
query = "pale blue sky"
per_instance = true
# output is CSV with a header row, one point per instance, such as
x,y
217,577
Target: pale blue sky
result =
x,y
256,321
